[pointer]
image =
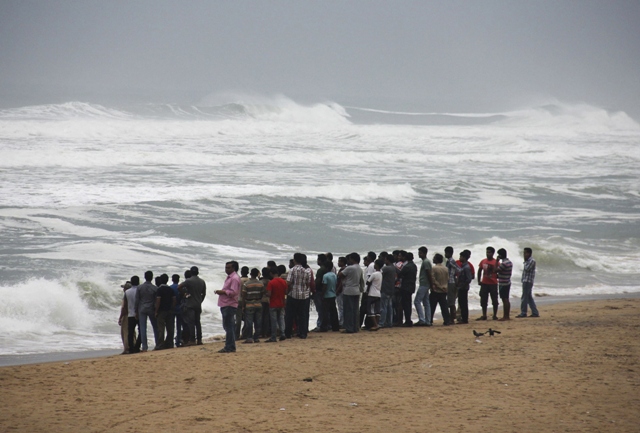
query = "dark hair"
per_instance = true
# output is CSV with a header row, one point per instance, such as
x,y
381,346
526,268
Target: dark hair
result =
x,y
164,278
282,269
330,257
389,258
528,250
255,272
148,276
233,264
175,278
187,274
466,254
493,250
502,253
379,263
244,270
194,270
266,272
372,256
448,250
409,256
328,266
297,257
135,280
271,264
423,250
383,254
355,257
437,258
322,258
158,281
395,252
342,259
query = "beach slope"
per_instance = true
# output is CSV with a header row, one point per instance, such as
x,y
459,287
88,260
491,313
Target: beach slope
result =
x,y
575,369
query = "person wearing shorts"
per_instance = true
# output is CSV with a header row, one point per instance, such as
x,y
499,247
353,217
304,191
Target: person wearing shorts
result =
x,y
488,280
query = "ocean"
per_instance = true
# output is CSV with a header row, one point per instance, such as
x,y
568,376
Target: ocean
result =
x,y
91,195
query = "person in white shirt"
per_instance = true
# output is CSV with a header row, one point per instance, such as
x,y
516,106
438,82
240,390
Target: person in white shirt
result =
x,y
374,284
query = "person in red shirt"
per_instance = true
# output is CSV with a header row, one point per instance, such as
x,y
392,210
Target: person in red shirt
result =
x,y
276,291
488,280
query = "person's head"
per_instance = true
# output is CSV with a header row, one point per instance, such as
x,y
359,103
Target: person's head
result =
x,y
490,252
388,259
448,252
328,266
297,258
527,253
292,263
329,257
355,258
303,261
396,255
378,264
465,255
126,286
274,272
157,281
409,256
402,256
255,272
244,272
231,267
321,259
383,254
194,271
175,278
271,264
422,252
342,262
266,272
135,280
366,261
164,278
148,276
282,269
187,274
372,256
438,259
502,253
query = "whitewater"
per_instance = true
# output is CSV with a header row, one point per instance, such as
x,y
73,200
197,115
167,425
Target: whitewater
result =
x,y
91,195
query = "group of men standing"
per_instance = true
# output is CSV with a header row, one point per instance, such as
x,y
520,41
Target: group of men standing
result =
x,y
173,311
345,296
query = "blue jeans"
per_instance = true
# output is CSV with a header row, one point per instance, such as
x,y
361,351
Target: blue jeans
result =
x,y
143,329
229,324
423,307
253,317
527,300
277,321
386,310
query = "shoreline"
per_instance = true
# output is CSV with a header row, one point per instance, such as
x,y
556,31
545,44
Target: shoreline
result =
x,y
51,357
575,369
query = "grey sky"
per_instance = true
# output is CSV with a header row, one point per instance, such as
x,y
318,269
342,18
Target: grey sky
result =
x,y
422,55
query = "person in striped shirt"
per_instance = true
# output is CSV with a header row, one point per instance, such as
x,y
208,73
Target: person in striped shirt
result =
x,y
505,268
528,276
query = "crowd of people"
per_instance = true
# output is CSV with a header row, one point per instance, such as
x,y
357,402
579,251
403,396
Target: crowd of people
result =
x,y
273,303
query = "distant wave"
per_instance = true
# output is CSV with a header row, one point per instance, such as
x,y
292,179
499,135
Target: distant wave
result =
x,y
280,109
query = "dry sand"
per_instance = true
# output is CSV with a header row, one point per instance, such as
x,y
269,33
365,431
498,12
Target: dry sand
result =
x,y
575,369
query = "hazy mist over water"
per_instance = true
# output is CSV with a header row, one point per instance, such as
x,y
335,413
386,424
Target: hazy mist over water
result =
x,y
158,135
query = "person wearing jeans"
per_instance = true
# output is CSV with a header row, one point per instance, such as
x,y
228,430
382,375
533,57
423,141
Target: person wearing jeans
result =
x,y
145,303
425,279
228,303
528,276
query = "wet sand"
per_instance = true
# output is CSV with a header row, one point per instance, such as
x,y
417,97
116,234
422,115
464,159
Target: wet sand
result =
x,y
575,369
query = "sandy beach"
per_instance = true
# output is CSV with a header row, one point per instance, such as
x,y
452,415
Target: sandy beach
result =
x,y
575,369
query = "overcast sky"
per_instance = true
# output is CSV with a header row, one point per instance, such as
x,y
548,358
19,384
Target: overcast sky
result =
x,y
422,55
